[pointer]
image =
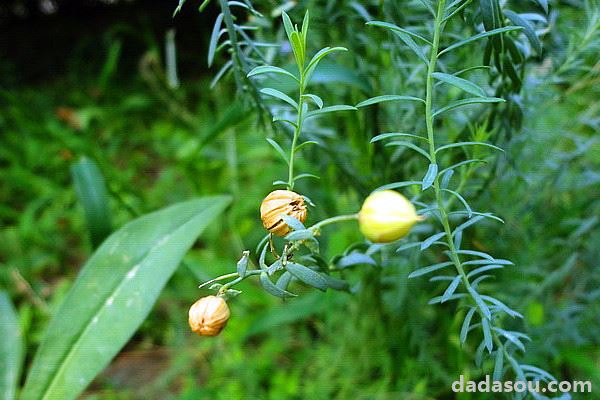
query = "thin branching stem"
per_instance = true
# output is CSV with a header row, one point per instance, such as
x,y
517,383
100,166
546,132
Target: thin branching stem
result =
x,y
441,205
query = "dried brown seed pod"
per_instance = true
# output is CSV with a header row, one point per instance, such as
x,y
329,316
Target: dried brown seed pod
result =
x,y
281,202
208,316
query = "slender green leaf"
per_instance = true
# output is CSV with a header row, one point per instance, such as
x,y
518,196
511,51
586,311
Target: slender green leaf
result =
x,y
273,289
464,330
466,102
387,97
429,269
462,144
268,69
384,136
460,83
314,62
498,365
330,109
316,99
461,199
410,146
528,30
451,288
112,296
487,334
431,240
480,303
279,150
396,28
480,36
91,191
307,275
214,39
430,176
280,95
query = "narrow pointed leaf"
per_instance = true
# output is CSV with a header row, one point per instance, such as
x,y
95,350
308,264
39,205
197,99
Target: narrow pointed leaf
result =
x,y
464,330
307,275
480,36
279,150
273,289
451,288
389,135
430,176
91,191
387,97
214,39
280,95
460,83
330,109
268,69
462,144
429,269
466,102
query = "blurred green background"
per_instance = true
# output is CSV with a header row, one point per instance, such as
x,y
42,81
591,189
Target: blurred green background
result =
x,y
89,79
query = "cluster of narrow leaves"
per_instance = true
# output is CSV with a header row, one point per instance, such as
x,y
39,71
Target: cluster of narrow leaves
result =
x,y
306,105
235,38
464,270
309,268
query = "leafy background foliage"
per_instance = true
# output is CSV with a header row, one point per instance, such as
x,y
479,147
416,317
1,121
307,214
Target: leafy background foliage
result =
x,y
157,141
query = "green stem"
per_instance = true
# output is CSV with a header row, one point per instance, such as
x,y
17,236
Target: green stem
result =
x,y
333,220
442,207
297,131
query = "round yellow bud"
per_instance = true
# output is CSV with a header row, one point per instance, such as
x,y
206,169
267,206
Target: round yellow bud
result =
x,y
386,216
208,316
281,202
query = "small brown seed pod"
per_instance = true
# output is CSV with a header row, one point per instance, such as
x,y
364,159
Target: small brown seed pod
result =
x,y
208,316
281,202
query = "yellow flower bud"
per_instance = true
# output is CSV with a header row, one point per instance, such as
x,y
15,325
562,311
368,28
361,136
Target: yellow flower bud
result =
x,y
281,202
208,316
386,216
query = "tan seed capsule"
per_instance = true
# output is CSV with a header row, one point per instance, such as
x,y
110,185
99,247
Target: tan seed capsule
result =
x,y
281,202
208,316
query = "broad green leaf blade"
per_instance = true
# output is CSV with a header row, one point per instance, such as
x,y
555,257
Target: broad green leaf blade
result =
x,y
112,296
466,102
480,36
91,191
280,95
460,83
387,97
11,349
